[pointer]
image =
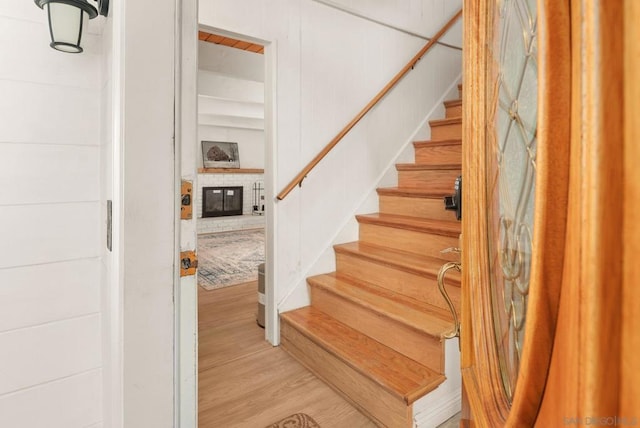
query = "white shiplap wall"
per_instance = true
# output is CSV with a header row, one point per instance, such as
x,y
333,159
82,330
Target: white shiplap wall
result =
x,y
50,319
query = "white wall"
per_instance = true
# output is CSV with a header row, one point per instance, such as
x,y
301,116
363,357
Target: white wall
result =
x,y
231,101
329,65
230,61
50,235
414,16
144,88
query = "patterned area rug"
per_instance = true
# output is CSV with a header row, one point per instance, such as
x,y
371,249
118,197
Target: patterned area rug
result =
x,y
229,258
299,420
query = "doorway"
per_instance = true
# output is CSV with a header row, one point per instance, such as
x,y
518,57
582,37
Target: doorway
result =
x,y
230,161
236,92
187,164
231,212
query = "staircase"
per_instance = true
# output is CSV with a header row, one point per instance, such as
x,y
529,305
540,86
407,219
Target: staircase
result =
x,y
375,327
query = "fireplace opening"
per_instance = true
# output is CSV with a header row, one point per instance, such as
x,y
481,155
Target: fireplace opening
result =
x,y
221,201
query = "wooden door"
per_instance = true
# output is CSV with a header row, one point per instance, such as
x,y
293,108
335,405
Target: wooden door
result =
x,y
550,281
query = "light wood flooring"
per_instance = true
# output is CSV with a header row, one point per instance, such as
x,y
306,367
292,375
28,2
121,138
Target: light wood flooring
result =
x,y
245,382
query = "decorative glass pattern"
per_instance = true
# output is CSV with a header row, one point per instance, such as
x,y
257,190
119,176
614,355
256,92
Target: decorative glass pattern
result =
x,y
511,166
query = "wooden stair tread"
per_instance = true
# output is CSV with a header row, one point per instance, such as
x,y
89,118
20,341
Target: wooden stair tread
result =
x,y
391,370
414,263
444,122
432,143
420,316
426,167
411,192
453,103
436,227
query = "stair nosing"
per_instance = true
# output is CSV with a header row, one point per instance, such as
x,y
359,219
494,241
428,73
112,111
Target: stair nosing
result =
x,y
428,225
436,143
407,396
412,268
427,167
455,102
411,192
436,333
446,121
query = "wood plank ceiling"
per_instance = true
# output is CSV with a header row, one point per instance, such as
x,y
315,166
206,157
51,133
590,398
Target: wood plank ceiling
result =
x,y
231,42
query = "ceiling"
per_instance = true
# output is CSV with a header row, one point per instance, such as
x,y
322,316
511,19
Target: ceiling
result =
x,y
231,42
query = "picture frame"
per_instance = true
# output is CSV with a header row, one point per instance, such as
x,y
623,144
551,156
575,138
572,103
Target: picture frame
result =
x,y
220,154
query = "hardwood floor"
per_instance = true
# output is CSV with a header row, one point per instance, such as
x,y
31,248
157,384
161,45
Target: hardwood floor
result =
x,y
245,382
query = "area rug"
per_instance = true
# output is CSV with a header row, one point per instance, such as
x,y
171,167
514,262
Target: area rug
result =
x,y
299,420
229,258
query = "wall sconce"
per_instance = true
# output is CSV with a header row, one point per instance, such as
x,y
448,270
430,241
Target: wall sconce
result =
x,y
66,19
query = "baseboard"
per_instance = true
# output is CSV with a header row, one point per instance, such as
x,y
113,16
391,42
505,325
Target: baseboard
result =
x,y
439,411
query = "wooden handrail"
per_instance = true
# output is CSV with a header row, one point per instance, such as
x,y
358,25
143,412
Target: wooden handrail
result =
x,y
303,174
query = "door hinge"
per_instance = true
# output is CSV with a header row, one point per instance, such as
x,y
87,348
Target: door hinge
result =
x,y
188,263
186,200
109,225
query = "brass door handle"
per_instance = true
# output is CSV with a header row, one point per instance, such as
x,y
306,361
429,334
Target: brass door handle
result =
x,y
441,286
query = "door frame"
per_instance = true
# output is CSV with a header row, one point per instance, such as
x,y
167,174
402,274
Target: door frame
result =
x,y
186,288
270,173
185,291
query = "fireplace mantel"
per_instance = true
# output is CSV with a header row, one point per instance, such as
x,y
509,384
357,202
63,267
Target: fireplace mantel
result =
x,y
230,171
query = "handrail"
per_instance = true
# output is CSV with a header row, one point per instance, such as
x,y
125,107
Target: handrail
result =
x,y
297,181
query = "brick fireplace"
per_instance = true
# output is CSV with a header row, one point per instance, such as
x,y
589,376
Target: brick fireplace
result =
x,y
232,222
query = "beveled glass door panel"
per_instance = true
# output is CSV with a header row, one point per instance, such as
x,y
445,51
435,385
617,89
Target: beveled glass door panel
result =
x,y
512,83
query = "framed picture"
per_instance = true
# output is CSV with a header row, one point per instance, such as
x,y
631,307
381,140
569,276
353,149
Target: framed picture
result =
x,y
218,154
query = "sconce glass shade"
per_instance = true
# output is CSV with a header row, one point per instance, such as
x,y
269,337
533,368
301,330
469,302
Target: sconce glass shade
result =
x,y
66,20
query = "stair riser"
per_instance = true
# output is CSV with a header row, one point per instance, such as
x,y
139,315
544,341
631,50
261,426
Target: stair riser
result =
x,y
416,345
381,406
433,180
421,288
453,111
438,155
415,207
446,132
408,240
